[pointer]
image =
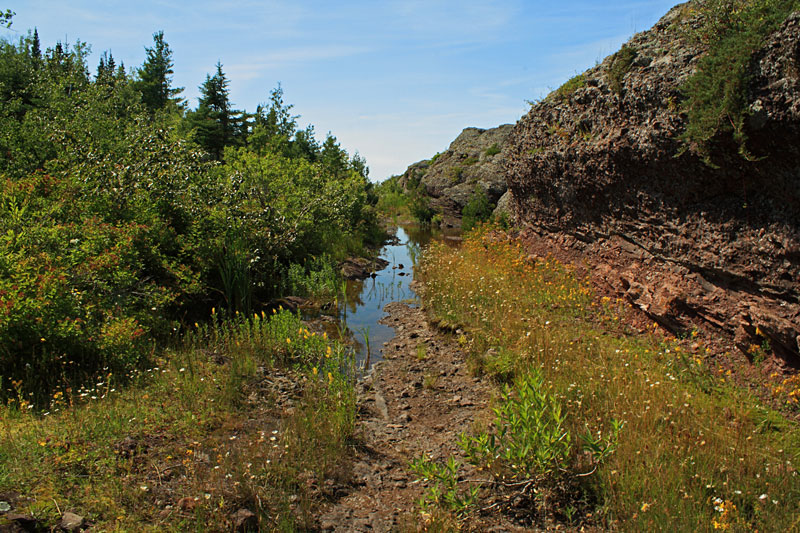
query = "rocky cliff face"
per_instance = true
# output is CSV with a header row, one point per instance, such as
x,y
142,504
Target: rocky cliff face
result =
x,y
474,158
598,166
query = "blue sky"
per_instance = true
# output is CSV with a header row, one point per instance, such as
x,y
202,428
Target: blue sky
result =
x,y
396,80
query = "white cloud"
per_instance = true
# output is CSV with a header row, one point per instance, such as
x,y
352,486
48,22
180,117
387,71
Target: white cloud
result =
x,y
256,66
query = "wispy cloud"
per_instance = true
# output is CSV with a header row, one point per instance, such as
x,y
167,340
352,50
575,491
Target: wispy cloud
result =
x,y
256,66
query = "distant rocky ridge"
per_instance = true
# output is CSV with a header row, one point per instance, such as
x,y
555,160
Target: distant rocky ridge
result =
x,y
474,158
598,170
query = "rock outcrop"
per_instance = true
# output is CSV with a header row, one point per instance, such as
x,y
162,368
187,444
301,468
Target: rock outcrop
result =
x,y
475,158
601,167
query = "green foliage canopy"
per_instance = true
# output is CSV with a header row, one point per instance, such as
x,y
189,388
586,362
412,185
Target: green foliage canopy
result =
x,y
121,219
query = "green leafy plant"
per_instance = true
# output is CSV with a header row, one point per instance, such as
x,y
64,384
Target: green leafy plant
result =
x,y
478,209
421,210
621,64
530,442
444,490
716,94
492,150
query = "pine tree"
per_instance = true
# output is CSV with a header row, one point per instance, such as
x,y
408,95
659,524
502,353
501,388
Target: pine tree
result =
x,y
155,76
213,121
36,48
333,157
106,69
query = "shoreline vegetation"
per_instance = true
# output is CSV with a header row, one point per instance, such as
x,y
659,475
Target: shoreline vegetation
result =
x,y
150,381
149,378
127,217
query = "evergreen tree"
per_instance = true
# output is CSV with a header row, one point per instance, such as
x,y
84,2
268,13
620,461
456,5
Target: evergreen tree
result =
x,y
275,130
213,121
106,69
333,157
36,47
155,76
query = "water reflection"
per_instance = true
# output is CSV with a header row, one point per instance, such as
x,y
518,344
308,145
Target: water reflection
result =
x,y
366,299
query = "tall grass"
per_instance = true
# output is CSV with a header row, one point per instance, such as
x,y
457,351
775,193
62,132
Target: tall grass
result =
x,y
202,433
695,453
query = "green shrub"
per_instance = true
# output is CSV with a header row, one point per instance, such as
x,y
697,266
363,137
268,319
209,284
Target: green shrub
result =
x,y
571,85
478,209
530,441
529,451
421,209
620,65
115,226
456,173
444,490
716,94
492,150
317,277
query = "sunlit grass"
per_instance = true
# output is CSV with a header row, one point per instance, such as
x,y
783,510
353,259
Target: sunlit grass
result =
x,y
196,437
695,453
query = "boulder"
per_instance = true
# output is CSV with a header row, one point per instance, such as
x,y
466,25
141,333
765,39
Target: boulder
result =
x,y
475,158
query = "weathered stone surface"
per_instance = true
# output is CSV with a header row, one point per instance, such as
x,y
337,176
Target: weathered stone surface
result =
x,y
244,520
71,522
357,268
598,170
503,205
24,521
475,158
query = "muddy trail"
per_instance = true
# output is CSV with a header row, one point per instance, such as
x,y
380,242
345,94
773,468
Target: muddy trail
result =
x,y
417,400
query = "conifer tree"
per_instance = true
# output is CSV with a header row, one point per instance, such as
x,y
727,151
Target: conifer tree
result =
x,y
214,121
36,47
106,69
275,129
155,76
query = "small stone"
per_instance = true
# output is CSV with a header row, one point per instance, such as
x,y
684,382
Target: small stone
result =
x,y
187,504
244,520
5,507
25,521
71,522
405,417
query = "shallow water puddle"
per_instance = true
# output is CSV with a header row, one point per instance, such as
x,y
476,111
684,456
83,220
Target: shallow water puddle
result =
x,y
366,299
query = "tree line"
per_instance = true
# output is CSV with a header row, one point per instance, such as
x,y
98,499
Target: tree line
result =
x,y
125,215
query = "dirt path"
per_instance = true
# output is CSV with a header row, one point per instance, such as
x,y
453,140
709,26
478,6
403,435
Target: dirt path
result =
x,y
417,400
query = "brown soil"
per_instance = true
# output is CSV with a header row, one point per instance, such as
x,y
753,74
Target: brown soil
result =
x,y
409,406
